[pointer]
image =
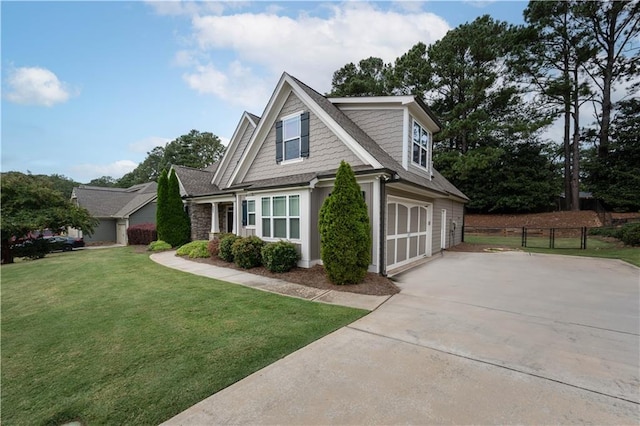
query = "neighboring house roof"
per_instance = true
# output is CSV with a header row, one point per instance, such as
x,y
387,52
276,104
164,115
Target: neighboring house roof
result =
x,y
114,202
195,182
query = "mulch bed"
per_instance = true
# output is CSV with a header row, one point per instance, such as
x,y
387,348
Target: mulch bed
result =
x,y
373,284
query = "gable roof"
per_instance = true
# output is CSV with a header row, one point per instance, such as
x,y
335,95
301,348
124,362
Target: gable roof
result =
x,y
114,203
195,182
356,139
247,120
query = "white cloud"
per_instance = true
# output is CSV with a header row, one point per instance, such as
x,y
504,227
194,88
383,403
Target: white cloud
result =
x,y
309,47
36,86
147,144
115,170
237,85
189,8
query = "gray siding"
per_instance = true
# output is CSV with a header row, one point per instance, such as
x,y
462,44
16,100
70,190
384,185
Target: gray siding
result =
x,y
325,149
384,127
235,157
104,232
455,213
147,214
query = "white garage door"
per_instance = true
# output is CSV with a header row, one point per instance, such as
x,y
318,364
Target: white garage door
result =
x,y
408,232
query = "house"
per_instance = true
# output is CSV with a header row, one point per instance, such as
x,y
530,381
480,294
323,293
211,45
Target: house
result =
x,y
116,209
279,168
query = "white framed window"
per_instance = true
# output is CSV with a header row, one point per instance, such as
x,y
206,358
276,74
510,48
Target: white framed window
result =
x,y
291,138
281,217
421,146
251,213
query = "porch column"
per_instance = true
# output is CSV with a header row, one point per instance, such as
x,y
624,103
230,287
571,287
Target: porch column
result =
x,y
215,219
235,215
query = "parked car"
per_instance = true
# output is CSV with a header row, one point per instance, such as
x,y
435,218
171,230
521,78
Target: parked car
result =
x,y
65,243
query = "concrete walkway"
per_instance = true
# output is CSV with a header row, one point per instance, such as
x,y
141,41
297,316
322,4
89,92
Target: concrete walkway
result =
x,y
473,338
273,285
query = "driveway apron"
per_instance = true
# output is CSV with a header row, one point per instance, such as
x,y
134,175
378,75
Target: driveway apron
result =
x,y
484,338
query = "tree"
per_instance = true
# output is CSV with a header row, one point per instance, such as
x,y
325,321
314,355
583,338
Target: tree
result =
x,y
368,78
179,219
161,206
29,204
194,149
553,55
345,230
104,181
176,229
615,178
614,26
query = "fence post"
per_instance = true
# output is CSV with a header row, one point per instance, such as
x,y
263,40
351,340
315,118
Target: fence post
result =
x,y
552,239
524,237
584,238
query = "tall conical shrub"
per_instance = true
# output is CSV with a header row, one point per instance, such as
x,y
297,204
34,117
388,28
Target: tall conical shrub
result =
x,y
178,231
345,230
161,209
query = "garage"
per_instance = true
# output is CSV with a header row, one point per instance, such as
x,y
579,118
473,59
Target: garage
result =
x,y
408,231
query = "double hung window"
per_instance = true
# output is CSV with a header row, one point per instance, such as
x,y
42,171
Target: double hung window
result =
x,y
281,217
421,146
291,138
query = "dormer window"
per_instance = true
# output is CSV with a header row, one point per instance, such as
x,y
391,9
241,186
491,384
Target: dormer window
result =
x,y
421,146
292,138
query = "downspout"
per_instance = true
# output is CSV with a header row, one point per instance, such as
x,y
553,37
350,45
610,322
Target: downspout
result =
x,y
383,231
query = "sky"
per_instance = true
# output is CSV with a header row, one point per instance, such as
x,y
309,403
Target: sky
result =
x,y
88,88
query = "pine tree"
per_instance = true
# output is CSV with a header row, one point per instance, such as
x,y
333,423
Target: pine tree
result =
x,y
345,230
161,209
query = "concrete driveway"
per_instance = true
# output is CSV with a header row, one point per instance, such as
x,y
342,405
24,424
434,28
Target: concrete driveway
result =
x,y
483,338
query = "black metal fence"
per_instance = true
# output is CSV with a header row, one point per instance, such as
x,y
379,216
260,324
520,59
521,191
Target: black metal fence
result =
x,y
531,237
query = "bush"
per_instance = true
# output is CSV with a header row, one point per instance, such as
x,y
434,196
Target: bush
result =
x,y
194,249
345,231
226,243
631,234
33,248
607,232
142,234
214,245
280,256
158,246
247,252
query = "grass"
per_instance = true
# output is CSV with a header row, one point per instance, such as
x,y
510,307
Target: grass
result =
x,y
110,337
596,246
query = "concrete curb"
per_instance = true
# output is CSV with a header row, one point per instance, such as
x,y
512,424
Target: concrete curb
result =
x,y
272,285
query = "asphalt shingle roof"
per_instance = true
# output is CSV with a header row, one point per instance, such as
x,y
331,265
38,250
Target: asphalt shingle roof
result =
x,y
114,202
197,181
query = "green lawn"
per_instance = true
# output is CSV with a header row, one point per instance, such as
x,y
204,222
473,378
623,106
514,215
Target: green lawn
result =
x,y
596,247
110,337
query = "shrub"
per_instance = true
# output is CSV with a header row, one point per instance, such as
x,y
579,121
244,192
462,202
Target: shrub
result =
x,y
226,243
631,234
247,252
607,232
142,234
158,246
194,246
214,245
33,248
345,231
280,256
200,251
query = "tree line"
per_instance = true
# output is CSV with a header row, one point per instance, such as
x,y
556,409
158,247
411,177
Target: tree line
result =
x,y
498,87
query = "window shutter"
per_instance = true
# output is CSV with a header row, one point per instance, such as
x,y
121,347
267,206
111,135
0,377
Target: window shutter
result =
x,y
278,141
245,213
304,135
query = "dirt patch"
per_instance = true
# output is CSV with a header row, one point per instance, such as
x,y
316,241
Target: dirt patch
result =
x,y
485,248
373,284
579,219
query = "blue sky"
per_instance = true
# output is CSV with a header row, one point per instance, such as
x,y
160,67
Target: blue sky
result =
x,y
88,88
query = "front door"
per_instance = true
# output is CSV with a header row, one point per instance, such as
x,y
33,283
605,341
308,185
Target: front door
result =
x,y
230,219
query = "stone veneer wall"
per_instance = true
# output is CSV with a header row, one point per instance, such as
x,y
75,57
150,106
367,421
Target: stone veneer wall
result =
x,y
200,216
